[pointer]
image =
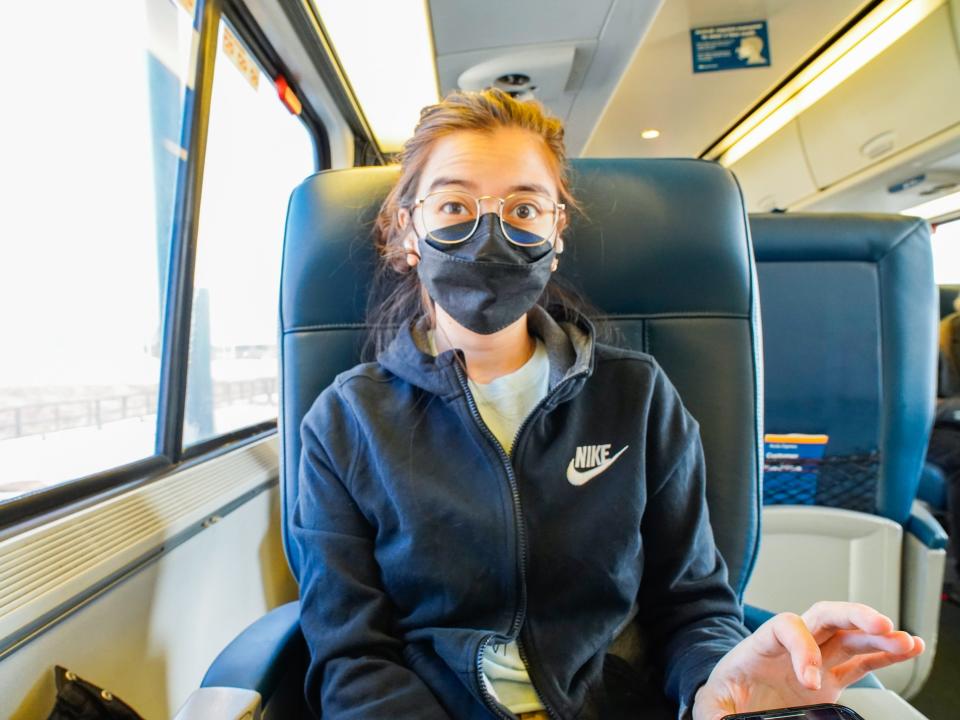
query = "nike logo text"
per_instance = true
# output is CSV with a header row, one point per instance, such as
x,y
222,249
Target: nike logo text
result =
x,y
595,457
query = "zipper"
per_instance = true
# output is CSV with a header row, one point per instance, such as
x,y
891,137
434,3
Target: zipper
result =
x,y
515,494
488,700
507,461
526,664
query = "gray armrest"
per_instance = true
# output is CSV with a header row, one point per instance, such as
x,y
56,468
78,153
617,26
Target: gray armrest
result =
x,y
879,704
220,703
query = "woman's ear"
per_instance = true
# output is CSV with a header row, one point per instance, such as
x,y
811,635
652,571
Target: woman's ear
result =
x,y
558,243
558,249
405,220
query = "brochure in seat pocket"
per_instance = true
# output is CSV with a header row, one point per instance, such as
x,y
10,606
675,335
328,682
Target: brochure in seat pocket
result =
x,y
791,466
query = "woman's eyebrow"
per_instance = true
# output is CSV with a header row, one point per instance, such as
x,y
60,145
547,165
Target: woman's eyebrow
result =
x,y
441,181
469,185
533,187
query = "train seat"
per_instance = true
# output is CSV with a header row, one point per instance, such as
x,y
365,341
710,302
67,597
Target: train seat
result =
x,y
849,307
656,229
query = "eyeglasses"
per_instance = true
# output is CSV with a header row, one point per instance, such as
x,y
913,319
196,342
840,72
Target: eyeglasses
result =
x,y
527,219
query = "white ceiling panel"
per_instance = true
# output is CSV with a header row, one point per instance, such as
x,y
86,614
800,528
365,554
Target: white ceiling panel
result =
x,y
660,90
463,25
523,37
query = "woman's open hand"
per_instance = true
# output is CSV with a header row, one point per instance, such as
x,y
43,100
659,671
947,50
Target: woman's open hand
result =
x,y
803,659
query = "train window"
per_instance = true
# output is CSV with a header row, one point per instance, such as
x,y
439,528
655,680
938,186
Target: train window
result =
x,y
93,115
257,151
946,253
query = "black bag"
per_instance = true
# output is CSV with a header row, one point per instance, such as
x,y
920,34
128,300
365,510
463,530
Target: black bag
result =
x,y
78,699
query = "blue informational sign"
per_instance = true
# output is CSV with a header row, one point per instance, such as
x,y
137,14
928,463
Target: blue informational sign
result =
x,y
730,47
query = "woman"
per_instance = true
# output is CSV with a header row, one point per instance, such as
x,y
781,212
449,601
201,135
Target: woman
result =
x,y
457,559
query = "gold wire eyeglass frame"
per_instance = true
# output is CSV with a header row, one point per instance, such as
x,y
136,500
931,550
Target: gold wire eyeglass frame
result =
x,y
558,208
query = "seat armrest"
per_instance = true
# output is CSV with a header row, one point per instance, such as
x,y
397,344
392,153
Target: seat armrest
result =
x,y
222,703
874,704
811,553
258,657
924,526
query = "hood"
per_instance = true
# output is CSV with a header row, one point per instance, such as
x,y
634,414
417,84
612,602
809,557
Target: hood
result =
x,y
570,348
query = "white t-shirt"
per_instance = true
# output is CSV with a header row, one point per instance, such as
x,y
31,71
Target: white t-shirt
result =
x,y
504,404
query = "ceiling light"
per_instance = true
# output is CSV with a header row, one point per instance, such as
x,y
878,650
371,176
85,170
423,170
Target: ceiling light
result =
x,y
946,205
650,134
873,34
386,51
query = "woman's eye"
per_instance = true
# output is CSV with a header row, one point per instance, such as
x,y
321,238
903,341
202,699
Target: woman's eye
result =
x,y
526,211
452,208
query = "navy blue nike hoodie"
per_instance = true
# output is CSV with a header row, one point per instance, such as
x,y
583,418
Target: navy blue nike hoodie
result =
x,y
422,540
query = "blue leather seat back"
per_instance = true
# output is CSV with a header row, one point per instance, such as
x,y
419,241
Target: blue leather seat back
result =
x,y
664,249
849,307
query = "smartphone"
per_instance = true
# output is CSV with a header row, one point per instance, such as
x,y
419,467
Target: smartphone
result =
x,y
824,711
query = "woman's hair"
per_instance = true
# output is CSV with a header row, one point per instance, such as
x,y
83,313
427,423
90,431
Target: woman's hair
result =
x,y
397,296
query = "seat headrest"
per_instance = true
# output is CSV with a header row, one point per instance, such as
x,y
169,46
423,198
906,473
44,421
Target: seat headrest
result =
x,y
830,237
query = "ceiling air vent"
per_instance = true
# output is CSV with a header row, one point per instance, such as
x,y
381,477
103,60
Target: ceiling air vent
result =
x,y
542,73
516,85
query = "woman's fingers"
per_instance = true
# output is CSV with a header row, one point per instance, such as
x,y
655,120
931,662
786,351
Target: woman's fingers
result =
x,y
787,631
825,618
845,644
855,668
856,639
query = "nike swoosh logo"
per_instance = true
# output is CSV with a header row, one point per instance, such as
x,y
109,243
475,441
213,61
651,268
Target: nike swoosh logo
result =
x,y
580,477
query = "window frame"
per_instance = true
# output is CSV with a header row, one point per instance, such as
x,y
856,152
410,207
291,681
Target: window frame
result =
x,y
31,509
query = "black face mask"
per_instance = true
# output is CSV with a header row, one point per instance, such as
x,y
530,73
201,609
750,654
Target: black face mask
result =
x,y
485,283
